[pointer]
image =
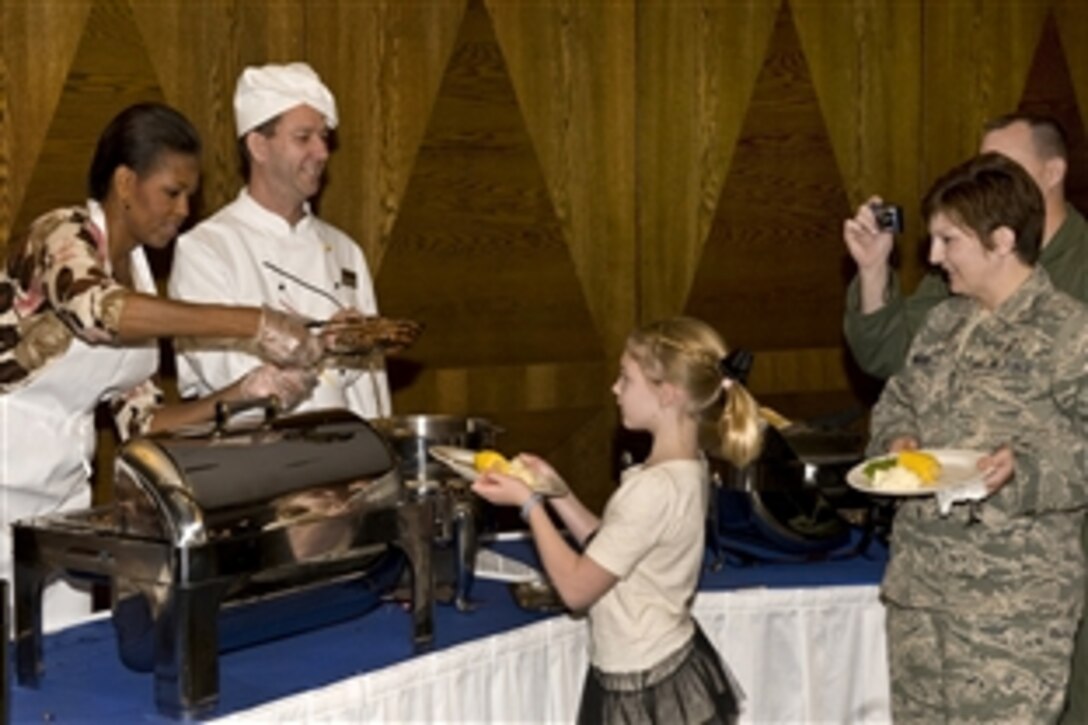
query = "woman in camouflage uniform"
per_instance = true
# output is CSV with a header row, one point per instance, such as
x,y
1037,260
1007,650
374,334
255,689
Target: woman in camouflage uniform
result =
x,y
983,603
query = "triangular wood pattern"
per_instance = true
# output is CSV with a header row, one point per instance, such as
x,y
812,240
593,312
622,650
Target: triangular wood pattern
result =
x,y
864,63
1049,90
1072,26
199,44
697,66
384,61
109,71
572,66
6,143
976,58
772,272
477,253
39,41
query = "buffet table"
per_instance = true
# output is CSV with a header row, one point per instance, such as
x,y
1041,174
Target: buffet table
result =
x,y
805,640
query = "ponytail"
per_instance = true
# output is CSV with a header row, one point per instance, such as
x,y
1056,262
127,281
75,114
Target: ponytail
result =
x,y
740,428
690,354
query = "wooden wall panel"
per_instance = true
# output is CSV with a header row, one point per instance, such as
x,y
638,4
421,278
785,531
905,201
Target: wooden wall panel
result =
x,y
384,60
579,109
697,65
865,63
770,276
273,31
1072,25
203,44
976,57
1051,89
38,43
114,72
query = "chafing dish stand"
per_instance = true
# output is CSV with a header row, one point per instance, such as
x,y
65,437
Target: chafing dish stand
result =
x,y
200,522
5,639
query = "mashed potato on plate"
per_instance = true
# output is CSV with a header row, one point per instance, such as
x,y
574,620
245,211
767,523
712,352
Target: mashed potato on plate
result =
x,y
897,478
905,471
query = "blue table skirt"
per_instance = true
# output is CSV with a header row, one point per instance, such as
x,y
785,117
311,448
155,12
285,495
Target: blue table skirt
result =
x,y
85,681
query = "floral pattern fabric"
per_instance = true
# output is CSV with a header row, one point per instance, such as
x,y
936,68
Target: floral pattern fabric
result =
x,y
55,286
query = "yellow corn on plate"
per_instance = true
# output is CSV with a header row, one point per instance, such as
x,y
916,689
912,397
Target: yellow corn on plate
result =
x,y
923,465
490,461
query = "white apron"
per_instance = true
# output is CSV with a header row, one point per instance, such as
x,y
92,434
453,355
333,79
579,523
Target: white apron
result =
x,y
47,438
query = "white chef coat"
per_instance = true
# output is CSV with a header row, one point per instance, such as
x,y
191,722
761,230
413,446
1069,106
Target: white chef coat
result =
x,y
47,434
247,255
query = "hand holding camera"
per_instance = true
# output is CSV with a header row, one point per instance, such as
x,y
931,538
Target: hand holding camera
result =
x,y
869,235
889,217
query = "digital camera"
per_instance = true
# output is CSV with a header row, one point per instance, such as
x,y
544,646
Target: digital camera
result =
x,y
889,217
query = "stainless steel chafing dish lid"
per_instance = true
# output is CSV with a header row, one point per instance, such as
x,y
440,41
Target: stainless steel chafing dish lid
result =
x,y
209,469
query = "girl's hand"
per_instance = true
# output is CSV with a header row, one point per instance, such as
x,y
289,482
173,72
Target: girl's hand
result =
x,y
903,443
501,489
547,479
997,468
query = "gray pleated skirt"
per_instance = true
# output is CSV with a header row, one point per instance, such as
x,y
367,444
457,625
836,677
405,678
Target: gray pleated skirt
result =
x,y
692,685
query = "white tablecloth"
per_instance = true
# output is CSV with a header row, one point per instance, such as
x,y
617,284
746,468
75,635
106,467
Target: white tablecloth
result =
x,y
814,655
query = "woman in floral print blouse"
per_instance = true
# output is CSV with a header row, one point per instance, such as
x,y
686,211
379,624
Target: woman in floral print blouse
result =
x,y
79,318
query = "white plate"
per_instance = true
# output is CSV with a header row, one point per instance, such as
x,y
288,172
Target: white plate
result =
x,y
957,468
461,461
499,567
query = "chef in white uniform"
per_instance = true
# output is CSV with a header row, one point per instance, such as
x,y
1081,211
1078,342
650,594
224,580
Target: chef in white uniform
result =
x,y
78,322
267,247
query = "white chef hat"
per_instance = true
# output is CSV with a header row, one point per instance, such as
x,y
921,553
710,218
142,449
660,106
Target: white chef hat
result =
x,y
267,91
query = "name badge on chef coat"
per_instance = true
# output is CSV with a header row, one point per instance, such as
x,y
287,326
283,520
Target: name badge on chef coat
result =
x,y
349,278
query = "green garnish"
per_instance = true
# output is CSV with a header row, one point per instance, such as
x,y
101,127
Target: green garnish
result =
x,y
880,465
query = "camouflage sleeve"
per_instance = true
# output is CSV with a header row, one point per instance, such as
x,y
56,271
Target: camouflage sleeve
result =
x,y
133,409
59,263
880,340
1052,472
894,414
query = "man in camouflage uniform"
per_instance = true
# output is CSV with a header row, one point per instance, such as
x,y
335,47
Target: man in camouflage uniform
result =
x,y
880,332
983,603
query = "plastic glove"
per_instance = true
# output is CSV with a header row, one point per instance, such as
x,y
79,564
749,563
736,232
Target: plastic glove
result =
x,y
285,340
289,386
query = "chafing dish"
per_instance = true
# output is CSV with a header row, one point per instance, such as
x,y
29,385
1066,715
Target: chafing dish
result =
x,y
458,514
412,435
791,503
210,522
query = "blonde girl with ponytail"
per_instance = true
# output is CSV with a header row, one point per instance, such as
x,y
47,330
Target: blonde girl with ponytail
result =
x,y
635,568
